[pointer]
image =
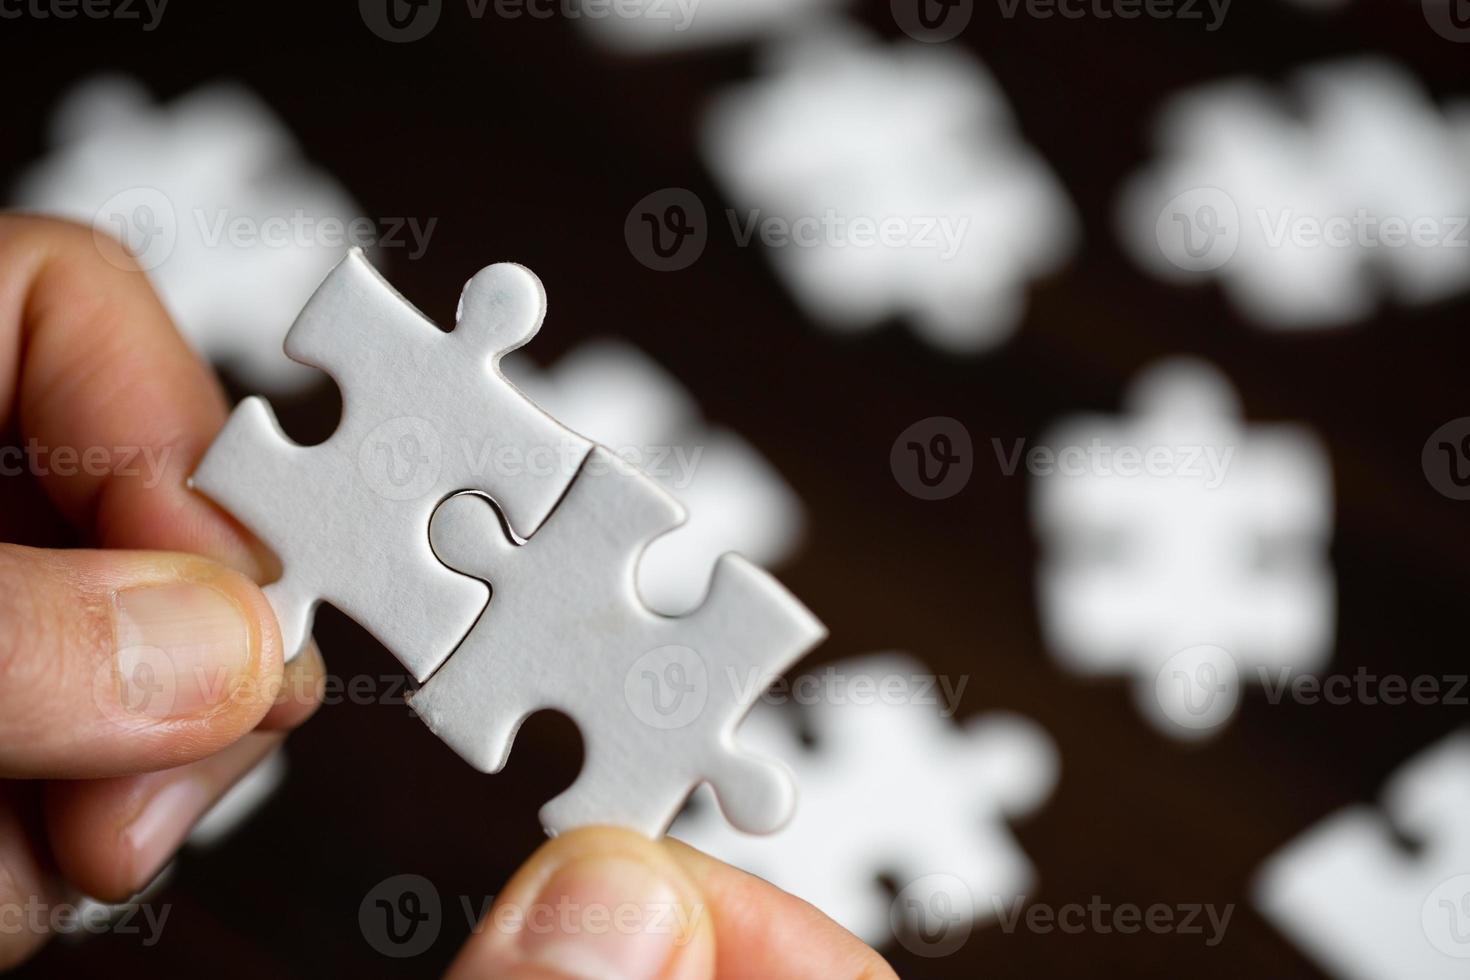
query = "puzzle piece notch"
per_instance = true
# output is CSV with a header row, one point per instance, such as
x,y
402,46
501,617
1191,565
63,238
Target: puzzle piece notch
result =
x,y
737,501
565,630
1139,567
933,795
425,414
1362,907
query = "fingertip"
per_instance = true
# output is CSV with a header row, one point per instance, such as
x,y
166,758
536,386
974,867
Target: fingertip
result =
x,y
302,685
593,902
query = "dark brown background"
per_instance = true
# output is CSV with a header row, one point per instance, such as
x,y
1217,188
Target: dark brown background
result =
x,y
527,143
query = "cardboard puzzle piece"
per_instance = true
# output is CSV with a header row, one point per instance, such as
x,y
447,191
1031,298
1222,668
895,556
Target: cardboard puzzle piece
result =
x,y
565,630
1362,904
1177,526
934,797
175,182
1308,208
425,414
618,396
842,131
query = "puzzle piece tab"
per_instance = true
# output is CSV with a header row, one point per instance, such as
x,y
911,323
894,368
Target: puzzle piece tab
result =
x,y
932,796
1181,526
1364,906
737,501
657,699
425,414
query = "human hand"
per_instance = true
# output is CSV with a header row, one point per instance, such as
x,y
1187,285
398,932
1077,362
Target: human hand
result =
x,y
609,904
140,674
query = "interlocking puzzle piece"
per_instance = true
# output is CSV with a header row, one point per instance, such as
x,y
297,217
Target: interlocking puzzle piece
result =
x,y
656,26
616,395
844,130
657,699
1364,906
1253,184
931,797
425,414
177,177
1221,540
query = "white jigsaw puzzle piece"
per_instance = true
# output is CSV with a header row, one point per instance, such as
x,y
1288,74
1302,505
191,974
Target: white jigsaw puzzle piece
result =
x,y
1362,138
218,156
933,796
1225,544
425,414
915,137
619,397
1362,905
656,26
565,630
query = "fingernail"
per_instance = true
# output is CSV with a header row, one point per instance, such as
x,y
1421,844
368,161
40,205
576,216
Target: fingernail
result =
x,y
180,649
159,828
603,918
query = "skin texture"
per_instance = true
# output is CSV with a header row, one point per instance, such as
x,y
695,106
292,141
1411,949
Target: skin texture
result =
x,y
96,799
89,358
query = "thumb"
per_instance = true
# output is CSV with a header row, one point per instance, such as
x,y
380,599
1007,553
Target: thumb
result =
x,y
597,902
114,662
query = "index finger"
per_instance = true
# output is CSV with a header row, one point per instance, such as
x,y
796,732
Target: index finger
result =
x,y
91,364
